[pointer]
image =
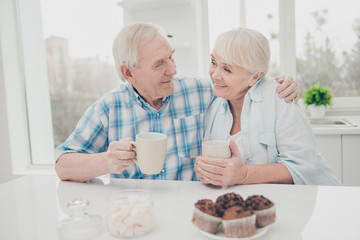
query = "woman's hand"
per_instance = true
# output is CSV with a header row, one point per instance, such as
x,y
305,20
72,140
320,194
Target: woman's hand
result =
x,y
222,172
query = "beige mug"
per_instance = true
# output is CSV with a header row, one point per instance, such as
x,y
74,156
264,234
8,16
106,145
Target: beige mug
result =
x,y
150,151
216,149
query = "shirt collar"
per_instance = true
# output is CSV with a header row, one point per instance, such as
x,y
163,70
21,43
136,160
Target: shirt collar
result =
x,y
224,106
255,91
139,99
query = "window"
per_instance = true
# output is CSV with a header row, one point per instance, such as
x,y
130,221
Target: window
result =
x,y
50,48
248,14
78,39
217,22
328,45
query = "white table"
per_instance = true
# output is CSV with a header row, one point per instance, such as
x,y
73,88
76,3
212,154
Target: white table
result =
x,y
31,206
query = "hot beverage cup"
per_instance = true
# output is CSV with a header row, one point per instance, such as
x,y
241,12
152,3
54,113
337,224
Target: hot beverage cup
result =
x,y
216,149
150,150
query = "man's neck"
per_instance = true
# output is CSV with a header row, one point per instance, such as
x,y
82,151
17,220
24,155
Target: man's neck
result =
x,y
156,104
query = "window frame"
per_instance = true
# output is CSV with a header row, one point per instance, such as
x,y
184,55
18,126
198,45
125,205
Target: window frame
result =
x,y
33,55
27,87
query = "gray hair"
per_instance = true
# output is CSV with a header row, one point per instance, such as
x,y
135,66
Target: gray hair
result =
x,y
126,43
244,47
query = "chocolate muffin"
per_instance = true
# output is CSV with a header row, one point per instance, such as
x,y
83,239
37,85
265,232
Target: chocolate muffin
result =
x,y
263,208
238,222
206,216
228,200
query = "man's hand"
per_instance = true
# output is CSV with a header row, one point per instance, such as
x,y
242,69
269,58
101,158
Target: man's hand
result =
x,y
222,172
120,155
288,89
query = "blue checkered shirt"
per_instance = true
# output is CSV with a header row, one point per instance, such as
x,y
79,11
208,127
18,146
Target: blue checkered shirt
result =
x,y
123,113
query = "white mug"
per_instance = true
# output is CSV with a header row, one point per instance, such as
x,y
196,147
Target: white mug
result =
x,y
150,151
216,149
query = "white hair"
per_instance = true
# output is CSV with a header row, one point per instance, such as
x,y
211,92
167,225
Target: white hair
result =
x,y
244,47
127,42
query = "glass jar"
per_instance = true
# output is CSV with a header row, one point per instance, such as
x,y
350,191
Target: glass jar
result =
x,y
129,213
79,224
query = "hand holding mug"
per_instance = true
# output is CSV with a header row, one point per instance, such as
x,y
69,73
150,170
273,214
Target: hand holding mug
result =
x,y
222,171
119,155
212,149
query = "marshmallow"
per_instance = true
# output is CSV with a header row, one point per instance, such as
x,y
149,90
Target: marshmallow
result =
x,y
130,216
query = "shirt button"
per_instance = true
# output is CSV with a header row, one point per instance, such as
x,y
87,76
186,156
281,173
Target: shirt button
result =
x,y
157,114
163,171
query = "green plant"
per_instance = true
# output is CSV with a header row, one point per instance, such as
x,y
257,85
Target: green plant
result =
x,y
315,95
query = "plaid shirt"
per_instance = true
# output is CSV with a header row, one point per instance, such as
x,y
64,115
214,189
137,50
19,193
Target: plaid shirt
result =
x,y
123,113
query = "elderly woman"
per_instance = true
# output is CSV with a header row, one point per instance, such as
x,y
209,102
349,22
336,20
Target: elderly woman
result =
x,y
271,141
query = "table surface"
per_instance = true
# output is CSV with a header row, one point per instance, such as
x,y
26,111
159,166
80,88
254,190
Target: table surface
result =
x,y
31,207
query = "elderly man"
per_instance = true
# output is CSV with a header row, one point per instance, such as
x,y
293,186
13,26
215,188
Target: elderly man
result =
x,y
149,99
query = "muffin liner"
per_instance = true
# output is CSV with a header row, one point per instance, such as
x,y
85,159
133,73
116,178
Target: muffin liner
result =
x,y
206,222
240,227
265,217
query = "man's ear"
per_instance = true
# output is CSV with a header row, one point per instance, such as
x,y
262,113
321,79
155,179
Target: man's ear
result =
x,y
255,78
127,74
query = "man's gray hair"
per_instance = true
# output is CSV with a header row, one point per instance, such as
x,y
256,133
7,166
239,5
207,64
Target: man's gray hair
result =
x,y
127,42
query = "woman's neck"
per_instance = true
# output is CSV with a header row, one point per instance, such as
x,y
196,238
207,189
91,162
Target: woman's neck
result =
x,y
236,108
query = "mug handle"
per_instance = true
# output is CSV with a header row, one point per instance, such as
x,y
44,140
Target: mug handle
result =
x,y
134,160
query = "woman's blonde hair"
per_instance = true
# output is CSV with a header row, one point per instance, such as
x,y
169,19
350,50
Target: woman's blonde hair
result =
x,y
127,42
244,47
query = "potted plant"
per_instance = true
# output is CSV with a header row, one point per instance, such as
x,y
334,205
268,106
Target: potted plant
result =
x,y
317,99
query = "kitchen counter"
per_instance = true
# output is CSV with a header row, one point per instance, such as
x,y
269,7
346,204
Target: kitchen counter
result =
x,y
31,207
339,130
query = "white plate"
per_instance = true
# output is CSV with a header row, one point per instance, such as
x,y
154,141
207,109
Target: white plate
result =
x,y
220,235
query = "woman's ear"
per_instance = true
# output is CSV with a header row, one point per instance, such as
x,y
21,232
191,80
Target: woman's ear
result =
x,y
127,74
254,78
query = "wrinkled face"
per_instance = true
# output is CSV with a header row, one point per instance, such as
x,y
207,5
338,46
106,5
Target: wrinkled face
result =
x,y
230,81
153,76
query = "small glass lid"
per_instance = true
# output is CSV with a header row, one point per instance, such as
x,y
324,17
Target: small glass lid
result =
x,y
79,224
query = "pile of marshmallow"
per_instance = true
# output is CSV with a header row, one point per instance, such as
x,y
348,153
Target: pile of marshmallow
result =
x,y
131,216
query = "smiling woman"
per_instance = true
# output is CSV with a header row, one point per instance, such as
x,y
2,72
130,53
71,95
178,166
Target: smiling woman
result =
x,y
248,113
